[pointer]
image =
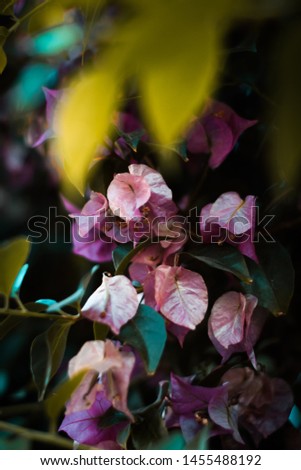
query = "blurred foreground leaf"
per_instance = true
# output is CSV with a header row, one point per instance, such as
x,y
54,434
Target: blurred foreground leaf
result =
x,y
12,257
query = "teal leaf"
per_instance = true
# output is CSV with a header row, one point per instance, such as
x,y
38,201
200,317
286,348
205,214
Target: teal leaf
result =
x,y
55,40
120,253
147,333
295,418
273,278
174,441
18,281
223,257
46,354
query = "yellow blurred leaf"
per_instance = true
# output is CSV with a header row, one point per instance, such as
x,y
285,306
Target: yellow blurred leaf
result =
x,y
12,257
3,60
50,15
83,120
174,49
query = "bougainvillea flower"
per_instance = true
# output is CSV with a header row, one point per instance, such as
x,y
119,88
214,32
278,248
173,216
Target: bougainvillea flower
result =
x,y
163,252
95,245
140,193
52,97
160,202
231,219
262,404
92,214
216,132
234,325
189,404
113,303
246,399
179,294
127,194
83,426
113,366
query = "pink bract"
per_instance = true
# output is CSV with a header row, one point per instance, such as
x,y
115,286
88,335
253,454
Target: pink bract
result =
x,y
114,303
179,294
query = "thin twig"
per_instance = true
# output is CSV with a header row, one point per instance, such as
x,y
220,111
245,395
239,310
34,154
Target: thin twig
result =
x,y
28,314
39,436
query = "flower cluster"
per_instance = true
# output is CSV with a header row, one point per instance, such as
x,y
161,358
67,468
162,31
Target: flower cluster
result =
x,y
155,283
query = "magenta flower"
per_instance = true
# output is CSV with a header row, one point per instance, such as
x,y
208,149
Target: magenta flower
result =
x,y
245,399
52,97
92,214
216,132
179,294
190,406
231,219
234,325
262,404
83,426
114,303
93,245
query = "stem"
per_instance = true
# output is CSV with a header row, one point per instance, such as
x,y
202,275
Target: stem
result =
x,y
127,259
10,4
28,15
39,436
28,314
17,410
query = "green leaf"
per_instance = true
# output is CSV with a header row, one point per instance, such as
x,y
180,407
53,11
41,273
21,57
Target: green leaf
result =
x,y
149,428
273,278
56,401
12,257
8,324
100,331
223,257
147,333
120,253
46,354
174,441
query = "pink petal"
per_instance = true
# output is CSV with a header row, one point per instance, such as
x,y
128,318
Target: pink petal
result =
x,y
234,325
161,196
126,194
233,213
94,246
237,124
52,97
178,331
85,393
197,140
227,318
92,215
114,303
97,355
117,381
221,140
181,295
